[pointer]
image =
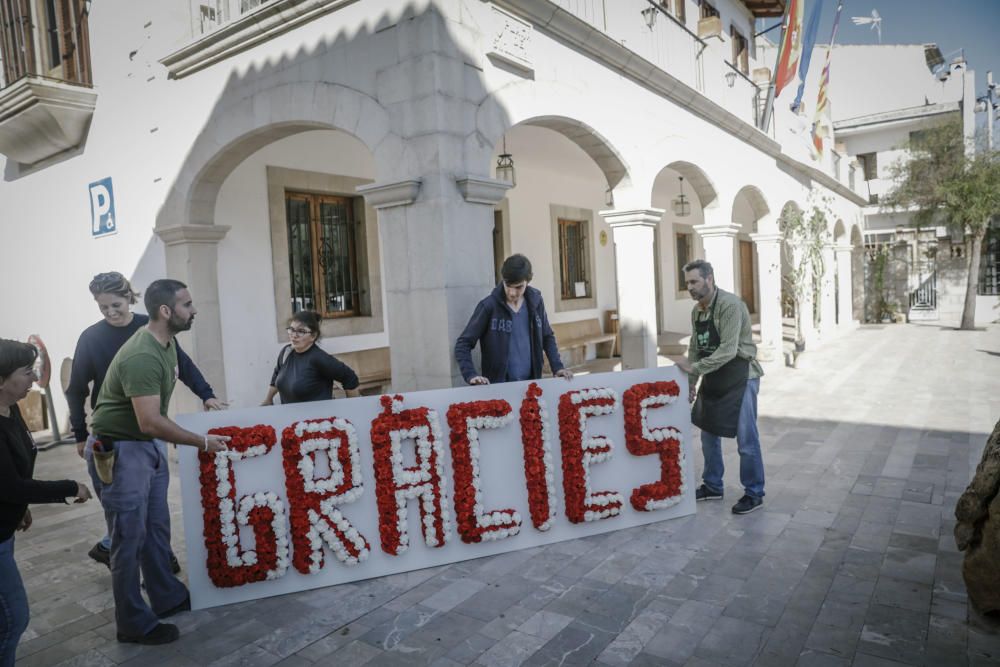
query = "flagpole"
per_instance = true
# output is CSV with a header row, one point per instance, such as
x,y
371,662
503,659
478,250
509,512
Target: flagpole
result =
x,y
769,103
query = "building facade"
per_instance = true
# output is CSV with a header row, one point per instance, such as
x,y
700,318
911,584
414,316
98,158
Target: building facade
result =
x,y
343,156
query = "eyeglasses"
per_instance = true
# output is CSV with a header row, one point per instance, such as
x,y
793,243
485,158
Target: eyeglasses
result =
x,y
297,332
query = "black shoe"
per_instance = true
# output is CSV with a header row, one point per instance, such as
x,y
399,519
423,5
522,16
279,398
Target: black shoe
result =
x,y
175,567
102,555
163,633
183,606
705,493
748,504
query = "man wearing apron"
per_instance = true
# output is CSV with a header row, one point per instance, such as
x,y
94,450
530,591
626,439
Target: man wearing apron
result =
x,y
722,353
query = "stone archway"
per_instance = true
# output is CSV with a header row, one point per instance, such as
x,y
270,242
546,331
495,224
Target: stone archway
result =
x,y
237,129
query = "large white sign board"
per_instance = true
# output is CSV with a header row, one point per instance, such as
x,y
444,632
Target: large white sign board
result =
x,y
502,479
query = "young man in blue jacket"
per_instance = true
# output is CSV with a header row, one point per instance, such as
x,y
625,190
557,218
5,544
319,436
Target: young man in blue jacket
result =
x,y
512,330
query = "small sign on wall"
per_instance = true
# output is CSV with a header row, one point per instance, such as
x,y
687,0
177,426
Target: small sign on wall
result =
x,y
102,208
511,40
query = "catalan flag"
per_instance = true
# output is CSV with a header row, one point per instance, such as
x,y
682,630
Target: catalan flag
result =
x,y
822,121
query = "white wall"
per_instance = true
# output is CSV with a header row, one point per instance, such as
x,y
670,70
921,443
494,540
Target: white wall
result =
x,y
245,256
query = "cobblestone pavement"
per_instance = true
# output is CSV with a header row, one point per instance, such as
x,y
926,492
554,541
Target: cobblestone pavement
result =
x,y
851,562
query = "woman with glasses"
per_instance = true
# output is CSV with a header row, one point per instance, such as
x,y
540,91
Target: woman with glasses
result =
x,y
18,488
304,371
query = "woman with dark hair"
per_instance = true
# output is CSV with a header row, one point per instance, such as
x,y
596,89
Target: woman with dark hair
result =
x,y
95,349
305,372
18,489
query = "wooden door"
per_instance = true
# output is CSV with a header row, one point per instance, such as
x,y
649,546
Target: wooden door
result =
x,y
747,291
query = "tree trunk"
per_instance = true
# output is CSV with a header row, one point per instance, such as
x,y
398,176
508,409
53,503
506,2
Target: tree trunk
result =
x,y
972,283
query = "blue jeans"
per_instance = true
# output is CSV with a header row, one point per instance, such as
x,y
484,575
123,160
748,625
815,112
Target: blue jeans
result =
x,y
747,444
13,604
135,506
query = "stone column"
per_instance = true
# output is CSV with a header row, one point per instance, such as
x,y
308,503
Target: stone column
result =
x,y
845,285
828,292
719,241
192,257
769,275
634,263
438,261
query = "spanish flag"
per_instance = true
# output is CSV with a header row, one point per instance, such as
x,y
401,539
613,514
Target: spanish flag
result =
x,y
791,46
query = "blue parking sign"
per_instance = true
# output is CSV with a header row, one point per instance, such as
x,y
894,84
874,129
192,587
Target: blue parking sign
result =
x,y
102,208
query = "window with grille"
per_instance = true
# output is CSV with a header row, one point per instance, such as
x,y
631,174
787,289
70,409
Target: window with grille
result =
x,y
707,10
989,263
573,259
741,50
674,7
323,254
869,165
44,38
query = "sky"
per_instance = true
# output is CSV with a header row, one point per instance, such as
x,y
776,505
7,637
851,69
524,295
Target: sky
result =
x,y
972,25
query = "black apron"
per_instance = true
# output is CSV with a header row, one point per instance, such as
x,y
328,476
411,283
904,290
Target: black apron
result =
x,y
720,397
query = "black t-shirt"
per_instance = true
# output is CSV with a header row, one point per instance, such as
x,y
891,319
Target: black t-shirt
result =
x,y
17,464
309,376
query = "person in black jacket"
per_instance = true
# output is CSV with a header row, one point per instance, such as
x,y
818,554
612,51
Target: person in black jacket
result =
x,y
304,371
18,488
512,330
95,349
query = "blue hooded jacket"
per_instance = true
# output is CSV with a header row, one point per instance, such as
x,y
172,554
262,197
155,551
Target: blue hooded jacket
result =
x,y
490,327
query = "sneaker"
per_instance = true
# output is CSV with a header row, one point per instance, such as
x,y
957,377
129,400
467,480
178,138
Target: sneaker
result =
x,y
748,504
175,567
183,606
102,555
163,633
705,493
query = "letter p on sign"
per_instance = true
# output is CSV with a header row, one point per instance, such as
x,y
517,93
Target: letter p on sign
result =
x,y
102,208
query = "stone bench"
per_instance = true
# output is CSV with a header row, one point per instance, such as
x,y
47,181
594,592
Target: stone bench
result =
x,y
372,367
574,337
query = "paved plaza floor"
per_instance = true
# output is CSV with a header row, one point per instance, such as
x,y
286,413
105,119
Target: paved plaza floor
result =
x,y
867,447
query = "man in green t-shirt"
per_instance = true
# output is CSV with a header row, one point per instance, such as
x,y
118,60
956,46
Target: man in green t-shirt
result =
x,y
130,418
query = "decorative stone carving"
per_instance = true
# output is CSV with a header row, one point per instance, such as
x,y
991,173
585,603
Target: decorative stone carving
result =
x,y
479,190
511,40
977,532
387,195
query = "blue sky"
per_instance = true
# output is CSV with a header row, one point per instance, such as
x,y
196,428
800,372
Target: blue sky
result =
x,y
972,25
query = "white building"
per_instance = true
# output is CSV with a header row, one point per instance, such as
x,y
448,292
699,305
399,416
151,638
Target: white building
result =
x,y
877,111
341,155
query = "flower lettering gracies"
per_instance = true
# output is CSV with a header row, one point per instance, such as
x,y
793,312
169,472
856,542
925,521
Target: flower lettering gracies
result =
x,y
228,564
476,524
315,514
580,451
538,469
665,442
395,483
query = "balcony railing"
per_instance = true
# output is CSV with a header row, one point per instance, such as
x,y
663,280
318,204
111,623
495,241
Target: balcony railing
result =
x,y
672,47
207,15
46,39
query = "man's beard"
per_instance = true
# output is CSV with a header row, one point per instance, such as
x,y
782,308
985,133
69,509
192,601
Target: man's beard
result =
x,y
176,325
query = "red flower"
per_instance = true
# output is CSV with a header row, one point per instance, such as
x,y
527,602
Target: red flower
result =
x,y
315,515
475,526
641,440
228,565
537,459
578,452
394,484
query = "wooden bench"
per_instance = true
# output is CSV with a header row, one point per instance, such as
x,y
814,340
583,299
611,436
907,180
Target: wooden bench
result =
x,y
372,367
574,337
